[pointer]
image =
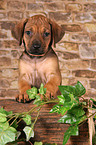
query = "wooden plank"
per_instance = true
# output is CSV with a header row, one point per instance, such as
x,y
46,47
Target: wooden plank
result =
x,y
47,129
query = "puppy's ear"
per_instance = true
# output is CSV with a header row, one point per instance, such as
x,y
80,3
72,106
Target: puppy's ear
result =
x,y
57,32
18,30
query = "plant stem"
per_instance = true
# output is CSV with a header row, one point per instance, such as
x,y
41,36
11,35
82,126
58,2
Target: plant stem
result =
x,y
11,118
14,120
36,117
30,142
91,115
19,120
87,118
32,110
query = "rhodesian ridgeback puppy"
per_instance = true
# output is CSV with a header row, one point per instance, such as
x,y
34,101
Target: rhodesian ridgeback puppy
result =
x,y
38,63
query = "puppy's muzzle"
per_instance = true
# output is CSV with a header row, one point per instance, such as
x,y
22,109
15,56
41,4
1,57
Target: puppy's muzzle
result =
x,y
36,49
36,45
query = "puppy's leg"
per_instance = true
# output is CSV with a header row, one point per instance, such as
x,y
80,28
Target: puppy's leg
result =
x,y
23,87
52,86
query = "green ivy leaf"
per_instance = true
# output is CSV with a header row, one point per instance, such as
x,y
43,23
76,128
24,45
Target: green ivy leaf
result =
x,y
63,110
72,130
3,111
3,117
84,103
81,119
72,119
18,133
77,90
42,90
66,90
68,105
94,103
7,135
38,143
13,129
32,92
55,109
77,111
61,99
68,118
27,119
29,132
4,125
38,100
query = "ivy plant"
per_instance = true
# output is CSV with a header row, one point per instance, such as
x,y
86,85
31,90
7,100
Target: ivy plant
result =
x,y
70,104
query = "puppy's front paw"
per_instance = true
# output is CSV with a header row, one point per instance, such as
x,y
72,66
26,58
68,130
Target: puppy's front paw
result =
x,y
23,98
49,94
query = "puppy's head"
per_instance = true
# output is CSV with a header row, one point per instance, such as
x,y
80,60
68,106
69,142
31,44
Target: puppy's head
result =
x,y
37,33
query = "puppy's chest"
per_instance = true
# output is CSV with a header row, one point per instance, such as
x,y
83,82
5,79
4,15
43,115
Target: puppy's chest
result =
x,y
33,73
38,77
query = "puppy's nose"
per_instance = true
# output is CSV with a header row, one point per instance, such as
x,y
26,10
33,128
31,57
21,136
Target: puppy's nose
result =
x,y
36,45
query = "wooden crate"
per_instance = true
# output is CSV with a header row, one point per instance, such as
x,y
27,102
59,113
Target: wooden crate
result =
x,y
47,129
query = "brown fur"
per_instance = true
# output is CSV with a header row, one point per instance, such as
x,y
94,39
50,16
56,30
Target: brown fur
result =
x,y
38,63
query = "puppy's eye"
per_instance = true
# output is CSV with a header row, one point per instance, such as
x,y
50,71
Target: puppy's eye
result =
x,y
29,33
46,34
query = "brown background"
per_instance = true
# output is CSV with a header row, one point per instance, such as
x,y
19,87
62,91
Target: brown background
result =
x,y
76,51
